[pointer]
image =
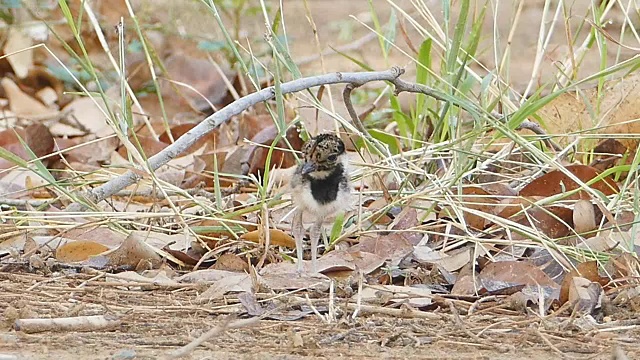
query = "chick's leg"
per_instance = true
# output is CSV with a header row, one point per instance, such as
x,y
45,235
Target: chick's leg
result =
x,y
297,228
314,234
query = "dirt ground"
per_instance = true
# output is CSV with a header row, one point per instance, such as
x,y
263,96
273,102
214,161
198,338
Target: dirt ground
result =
x,y
157,321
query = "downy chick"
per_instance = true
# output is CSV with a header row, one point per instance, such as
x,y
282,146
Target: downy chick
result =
x,y
320,186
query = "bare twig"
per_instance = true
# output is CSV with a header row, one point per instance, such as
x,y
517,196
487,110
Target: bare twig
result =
x,y
352,79
185,350
235,108
80,323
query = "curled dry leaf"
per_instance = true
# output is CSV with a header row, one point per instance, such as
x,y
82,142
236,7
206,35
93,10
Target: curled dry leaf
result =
x,y
90,114
337,260
553,221
405,220
452,260
412,295
132,252
205,276
586,270
257,155
215,228
90,153
585,294
617,103
607,153
476,198
81,250
584,217
276,237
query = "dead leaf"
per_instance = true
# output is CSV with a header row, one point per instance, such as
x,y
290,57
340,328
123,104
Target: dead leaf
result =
x,y
283,281
201,75
205,276
556,182
501,276
277,237
392,247
584,217
132,252
587,270
257,155
36,138
553,221
412,295
25,106
233,283
586,295
607,154
476,198
91,115
405,220
18,42
617,104
79,251
451,261
231,262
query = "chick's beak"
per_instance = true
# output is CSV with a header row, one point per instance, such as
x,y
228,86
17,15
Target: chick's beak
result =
x,y
308,168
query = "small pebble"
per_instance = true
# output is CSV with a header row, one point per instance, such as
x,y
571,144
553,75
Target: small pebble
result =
x,y
125,355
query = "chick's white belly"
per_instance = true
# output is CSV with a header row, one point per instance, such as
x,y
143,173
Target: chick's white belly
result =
x,y
304,200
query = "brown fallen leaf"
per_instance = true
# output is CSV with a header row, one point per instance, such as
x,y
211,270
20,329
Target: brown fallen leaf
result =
x,y
587,270
91,115
276,237
505,275
553,221
584,217
81,250
476,198
201,75
231,262
36,138
392,247
556,182
25,106
584,294
617,104
607,154
132,252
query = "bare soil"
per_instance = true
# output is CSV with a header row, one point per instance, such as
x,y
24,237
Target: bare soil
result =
x,y
155,322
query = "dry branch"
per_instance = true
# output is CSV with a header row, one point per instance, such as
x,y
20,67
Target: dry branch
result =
x,y
352,79
235,108
187,349
79,323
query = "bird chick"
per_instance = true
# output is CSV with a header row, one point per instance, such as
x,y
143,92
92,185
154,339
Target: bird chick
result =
x,y
320,186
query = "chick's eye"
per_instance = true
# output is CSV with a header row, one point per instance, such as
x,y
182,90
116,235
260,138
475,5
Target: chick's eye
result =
x,y
332,157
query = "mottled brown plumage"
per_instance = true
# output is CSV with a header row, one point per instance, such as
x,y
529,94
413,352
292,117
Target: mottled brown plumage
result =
x,y
320,186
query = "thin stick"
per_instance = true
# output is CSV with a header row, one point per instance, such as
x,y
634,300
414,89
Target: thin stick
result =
x,y
79,323
187,349
210,123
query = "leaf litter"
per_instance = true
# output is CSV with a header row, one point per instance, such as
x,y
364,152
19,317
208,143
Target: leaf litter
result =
x,y
206,231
